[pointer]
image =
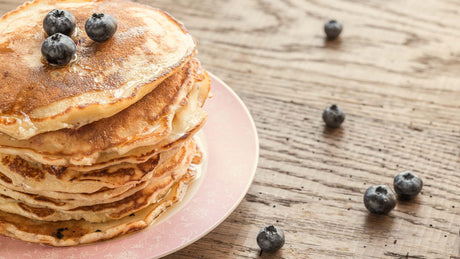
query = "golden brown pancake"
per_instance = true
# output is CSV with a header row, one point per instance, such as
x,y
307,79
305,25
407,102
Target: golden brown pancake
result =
x,y
102,194
147,123
35,178
21,176
165,176
105,78
74,232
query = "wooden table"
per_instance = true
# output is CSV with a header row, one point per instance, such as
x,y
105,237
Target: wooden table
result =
x,y
395,71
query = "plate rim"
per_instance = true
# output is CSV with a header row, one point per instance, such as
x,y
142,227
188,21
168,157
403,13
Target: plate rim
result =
x,y
248,185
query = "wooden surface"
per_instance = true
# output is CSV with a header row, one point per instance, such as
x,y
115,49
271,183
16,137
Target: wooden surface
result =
x,y
395,71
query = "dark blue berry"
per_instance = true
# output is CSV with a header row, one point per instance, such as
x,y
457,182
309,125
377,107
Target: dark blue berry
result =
x,y
379,199
332,29
59,21
270,239
100,27
333,116
58,49
407,185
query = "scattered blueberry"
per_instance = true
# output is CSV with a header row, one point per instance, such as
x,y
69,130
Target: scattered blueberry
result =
x,y
379,199
333,116
59,21
58,49
270,239
332,29
407,185
100,27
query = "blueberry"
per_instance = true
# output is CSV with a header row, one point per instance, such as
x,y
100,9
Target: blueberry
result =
x,y
332,29
270,239
58,49
333,116
59,21
407,185
100,27
379,199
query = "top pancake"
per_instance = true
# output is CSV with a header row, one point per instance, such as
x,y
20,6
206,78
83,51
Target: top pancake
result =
x,y
105,78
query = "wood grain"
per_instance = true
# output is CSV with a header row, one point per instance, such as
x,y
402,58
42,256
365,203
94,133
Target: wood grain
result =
x,y
395,71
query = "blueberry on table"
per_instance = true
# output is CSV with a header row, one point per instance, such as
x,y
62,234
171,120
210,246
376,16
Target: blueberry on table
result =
x,y
407,185
333,116
59,21
58,49
100,27
332,29
270,239
379,199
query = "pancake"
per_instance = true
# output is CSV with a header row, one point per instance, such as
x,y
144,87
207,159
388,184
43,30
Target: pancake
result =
x,y
105,78
75,232
144,124
35,178
100,195
57,200
61,210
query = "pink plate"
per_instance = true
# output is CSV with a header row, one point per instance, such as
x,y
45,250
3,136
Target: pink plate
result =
x,y
233,152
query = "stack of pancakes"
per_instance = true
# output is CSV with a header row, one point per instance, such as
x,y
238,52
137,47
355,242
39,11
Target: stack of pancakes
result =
x,y
100,147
